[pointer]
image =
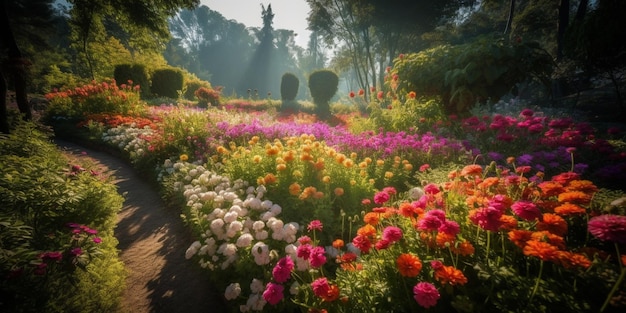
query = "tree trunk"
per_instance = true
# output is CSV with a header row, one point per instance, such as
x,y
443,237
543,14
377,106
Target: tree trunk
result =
x,y
16,64
562,26
4,121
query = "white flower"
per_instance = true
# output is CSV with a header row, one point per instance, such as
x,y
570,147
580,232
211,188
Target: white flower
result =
x,y
291,228
216,226
261,253
253,203
192,250
232,291
266,204
261,189
266,216
235,227
275,224
256,302
227,249
230,217
258,225
276,209
415,193
278,234
261,235
291,249
257,286
244,240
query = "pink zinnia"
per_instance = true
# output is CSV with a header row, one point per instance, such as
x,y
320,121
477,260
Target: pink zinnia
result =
x,y
487,218
450,228
431,189
273,293
363,243
382,244
282,270
317,257
608,227
526,210
304,251
320,287
392,234
426,294
381,197
315,225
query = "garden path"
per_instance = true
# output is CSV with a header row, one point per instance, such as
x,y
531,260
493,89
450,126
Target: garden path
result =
x,y
152,244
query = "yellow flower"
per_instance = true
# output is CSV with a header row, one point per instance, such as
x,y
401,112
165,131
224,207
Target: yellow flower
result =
x,y
388,175
257,159
380,162
281,167
184,157
294,189
326,179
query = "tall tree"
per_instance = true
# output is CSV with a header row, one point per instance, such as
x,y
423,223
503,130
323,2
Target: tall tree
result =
x,y
32,17
257,75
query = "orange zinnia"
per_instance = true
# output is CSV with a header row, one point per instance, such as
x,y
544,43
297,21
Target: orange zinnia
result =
x,y
367,231
585,186
371,218
578,197
551,188
450,275
548,237
509,222
442,239
553,223
464,248
569,209
520,237
541,250
472,170
569,259
409,265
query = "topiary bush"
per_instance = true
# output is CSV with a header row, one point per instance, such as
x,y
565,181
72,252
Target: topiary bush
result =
x,y
289,85
167,82
323,85
133,74
192,84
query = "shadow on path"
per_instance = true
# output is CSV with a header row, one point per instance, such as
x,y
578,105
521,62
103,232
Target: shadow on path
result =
x,y
152,243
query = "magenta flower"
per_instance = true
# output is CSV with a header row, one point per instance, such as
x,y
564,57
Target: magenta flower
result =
x,y
431,189
426,294
317,257
381,197
52,256
450,227
320,287
382,244
392,234
608,227
304,251
273,293
315,225
76,251
488,218
526,210
282,270
97,239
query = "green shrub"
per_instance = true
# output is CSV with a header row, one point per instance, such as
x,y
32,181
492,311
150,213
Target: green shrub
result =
x,y
463,75
167,82
133,74
193,83
323,85
56,228
206,96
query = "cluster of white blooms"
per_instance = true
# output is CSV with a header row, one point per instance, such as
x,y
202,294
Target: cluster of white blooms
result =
x,y
234,218
255,302
129,139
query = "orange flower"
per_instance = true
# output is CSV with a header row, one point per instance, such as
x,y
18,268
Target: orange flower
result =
x,y
412,95
450,275
472,170
409,265
489,182
509,222
553,223
442,239
520,237
332,294
371,218
366,231
406,209
585,186
569,259
339,191
548,237
294,189
270,178
541,250
577,197
569,209
551,188
464,248
338,244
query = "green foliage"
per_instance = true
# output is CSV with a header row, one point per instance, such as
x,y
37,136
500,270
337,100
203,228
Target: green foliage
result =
x,y
463,75
193,83
167,82
134,75
56,230
323,86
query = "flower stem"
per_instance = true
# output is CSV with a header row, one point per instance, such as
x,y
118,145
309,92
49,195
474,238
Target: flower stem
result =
x,y
615,287
537,281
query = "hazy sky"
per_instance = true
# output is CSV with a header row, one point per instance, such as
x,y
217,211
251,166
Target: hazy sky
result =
x,y
288,14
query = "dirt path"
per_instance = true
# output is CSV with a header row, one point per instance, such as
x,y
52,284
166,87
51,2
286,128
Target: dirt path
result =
x,y
152,243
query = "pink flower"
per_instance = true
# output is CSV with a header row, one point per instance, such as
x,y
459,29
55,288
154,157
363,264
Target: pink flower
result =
x,y
487,218
76,251
97,239
449,227
303,240
315,225
52,256
526,210
390,191
426,294
382,244
320,287
608,227
392,233
431,189
317,257
273,293
282,270
424,167
304,251
381,197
